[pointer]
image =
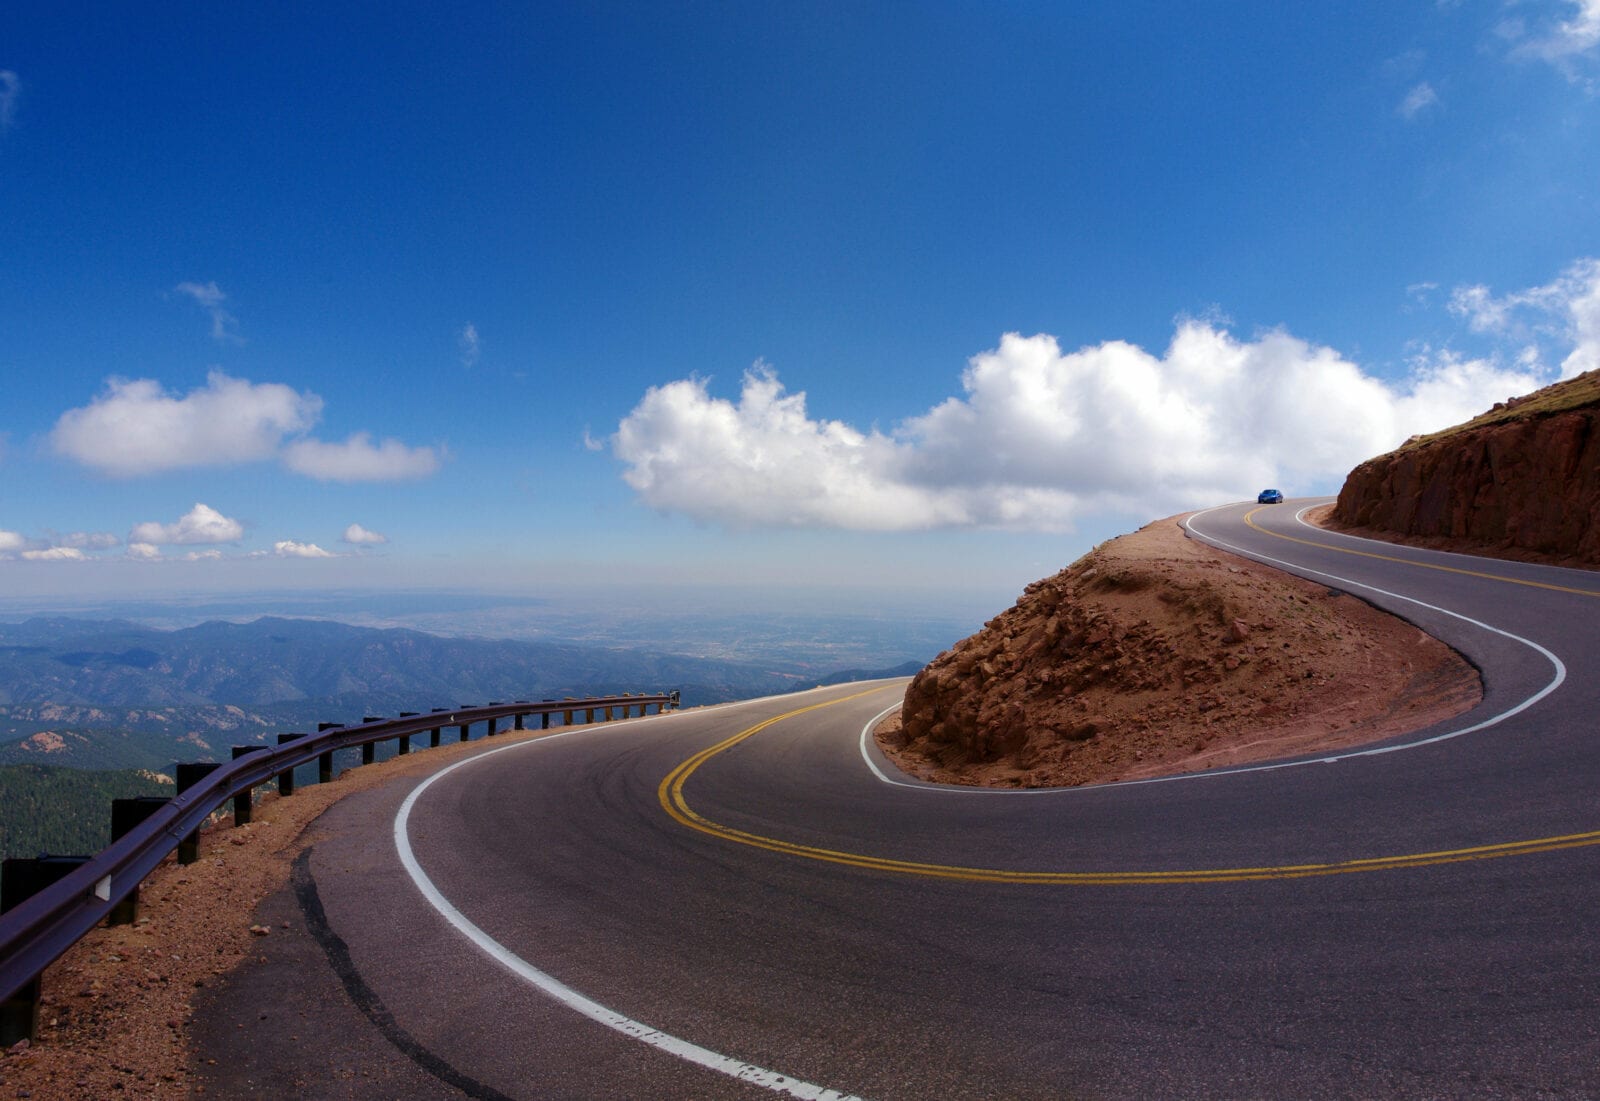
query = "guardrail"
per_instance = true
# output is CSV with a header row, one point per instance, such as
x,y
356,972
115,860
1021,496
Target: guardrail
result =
x,y
37,930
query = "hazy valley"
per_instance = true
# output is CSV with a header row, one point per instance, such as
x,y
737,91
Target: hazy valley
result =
x,y
92,709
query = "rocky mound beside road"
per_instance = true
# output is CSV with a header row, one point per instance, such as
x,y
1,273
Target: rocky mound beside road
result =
x,y
1520,481
1155,654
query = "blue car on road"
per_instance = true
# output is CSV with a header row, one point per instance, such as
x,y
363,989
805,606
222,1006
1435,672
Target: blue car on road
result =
x,y
1269,497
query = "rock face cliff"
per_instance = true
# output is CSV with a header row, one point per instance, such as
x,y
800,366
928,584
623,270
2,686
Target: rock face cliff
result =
x,y
1155,654
1522,480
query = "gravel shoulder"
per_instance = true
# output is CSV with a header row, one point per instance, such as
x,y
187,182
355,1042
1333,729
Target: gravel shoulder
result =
x,y
117,1015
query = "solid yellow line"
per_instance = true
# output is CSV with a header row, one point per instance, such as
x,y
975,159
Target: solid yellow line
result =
x,y
673,802
1250,521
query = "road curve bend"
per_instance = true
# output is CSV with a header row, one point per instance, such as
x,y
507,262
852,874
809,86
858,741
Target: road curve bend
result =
x,y
747,901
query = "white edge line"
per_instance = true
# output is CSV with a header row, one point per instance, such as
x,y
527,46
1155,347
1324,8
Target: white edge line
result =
x,y
866,737
561,992
1298,571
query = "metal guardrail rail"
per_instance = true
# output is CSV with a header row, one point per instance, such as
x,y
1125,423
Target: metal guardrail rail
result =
x,y
38,930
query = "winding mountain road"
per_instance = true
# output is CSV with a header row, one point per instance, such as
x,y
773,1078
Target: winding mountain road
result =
x,y
746,901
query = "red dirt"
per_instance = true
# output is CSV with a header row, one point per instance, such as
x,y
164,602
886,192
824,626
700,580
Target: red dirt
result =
x,y
1154,655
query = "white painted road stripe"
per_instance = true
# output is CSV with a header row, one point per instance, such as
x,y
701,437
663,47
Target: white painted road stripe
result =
x,y
561,992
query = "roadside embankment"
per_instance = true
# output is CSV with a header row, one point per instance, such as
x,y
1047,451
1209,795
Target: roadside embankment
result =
x,y
1155,654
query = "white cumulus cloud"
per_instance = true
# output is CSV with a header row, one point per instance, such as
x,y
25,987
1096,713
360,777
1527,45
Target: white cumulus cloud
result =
x,y
144,552
358,459
201,524
1565,311
136,427
11,541
762,461
288,548
1042,437
359,536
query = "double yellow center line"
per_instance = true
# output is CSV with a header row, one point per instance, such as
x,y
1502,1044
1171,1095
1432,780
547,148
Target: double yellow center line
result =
x,y
677,806
1250,522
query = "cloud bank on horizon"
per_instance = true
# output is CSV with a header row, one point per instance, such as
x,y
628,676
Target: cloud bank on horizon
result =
x,y
201,526
1041,438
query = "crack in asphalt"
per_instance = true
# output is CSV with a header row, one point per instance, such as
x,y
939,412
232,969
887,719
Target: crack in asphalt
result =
x,y
365,998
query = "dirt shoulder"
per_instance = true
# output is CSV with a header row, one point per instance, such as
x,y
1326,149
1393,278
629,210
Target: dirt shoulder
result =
x,y
115,1019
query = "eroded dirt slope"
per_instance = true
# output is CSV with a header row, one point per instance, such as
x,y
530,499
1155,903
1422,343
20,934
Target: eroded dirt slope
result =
x,y
1156,654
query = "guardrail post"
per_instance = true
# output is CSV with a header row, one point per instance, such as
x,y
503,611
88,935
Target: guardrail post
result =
x,y
405,739
434,734
286,777
126,814
676,699
191,773
20,879
588,715
19,1014
464,728
325,760
243,801
369,750
492,730
516,723
566,716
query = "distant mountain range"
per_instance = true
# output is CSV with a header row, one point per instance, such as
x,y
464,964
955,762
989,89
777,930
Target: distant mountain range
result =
x,y
115,694
273,661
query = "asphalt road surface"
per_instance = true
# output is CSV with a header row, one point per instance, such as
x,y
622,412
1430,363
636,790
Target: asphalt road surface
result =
x,y
742,902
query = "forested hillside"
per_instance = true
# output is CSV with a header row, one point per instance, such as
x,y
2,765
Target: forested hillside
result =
x,y
64,811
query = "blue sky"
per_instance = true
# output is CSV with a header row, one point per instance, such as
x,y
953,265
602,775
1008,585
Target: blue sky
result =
x,y
851,296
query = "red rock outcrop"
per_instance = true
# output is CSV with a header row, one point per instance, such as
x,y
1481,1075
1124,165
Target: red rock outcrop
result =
x,y
1523,480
